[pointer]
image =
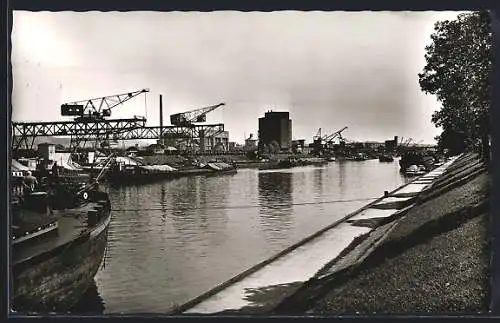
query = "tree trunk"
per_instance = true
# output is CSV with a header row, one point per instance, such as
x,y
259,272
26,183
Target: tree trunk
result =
x,y
486,149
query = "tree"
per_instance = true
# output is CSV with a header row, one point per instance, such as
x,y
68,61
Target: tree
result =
x,y
274,147
459,62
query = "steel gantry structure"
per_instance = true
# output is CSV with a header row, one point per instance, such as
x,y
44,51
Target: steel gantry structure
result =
x,y
91,124
24,133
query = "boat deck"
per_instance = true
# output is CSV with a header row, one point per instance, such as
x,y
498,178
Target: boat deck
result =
x,y
71,224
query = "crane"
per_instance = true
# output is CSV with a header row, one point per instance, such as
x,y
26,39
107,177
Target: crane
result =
x,y
93,112
318,135
98,108
189,117
328,139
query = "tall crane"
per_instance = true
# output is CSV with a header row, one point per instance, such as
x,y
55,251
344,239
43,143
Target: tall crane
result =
x,y
320,141
329,139
187,118
94,112
318,135
97,108
91,124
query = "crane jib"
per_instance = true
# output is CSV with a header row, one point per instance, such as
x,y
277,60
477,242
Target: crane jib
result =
x,y
197,115
97,107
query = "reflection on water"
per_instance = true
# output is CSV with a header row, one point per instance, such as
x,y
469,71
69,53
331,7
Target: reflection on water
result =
x,y
275,204
173,240
341,181
318,180
91,303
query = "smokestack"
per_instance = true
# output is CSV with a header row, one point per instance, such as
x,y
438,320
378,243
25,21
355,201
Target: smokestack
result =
x,y
161,120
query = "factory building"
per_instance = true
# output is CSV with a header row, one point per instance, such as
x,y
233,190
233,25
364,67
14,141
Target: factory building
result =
x,y
250,143
219,142
391,145
275,127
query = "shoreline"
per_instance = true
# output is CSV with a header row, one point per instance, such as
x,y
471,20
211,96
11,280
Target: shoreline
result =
x,y
235,286
404,272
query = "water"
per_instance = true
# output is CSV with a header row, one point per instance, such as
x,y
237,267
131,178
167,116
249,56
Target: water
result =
x,y
172,241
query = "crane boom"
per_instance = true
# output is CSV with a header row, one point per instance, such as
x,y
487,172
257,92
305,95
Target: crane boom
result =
x,y
318,135
97,108
334,135
189,117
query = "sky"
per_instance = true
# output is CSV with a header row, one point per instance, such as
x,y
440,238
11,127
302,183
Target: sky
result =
x,y
328,69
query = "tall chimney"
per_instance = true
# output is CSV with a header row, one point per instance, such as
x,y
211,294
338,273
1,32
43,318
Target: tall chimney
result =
x,y
161,120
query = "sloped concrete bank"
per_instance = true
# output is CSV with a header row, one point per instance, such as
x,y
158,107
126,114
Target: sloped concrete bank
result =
x,y
433,259
273,285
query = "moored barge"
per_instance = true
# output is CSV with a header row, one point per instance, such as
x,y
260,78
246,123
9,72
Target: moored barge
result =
x,y
56,248
121,173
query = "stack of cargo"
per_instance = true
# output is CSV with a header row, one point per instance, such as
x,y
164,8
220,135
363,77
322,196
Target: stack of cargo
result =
x,y
158,168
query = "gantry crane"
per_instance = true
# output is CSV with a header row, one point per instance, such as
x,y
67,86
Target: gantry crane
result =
x,y
91,124
329,139
98,108
95,111
321,142
187,119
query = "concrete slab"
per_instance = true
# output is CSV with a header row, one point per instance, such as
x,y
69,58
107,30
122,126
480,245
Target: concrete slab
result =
x,y
297,266
427,181
410,190
394,202
373,213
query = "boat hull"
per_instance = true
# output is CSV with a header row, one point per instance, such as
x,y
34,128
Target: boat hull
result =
x,y
55,281
386,159
123,178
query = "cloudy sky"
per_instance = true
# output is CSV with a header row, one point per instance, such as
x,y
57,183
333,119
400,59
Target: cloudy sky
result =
x,y
328,69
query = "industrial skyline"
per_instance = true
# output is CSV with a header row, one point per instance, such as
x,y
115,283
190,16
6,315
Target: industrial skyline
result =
x,y
328,70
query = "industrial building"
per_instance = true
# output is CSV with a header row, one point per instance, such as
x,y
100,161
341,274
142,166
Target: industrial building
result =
x,y
250,143
391,145
219,142
275,127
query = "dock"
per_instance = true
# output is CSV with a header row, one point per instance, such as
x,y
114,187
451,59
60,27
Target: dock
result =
x,y
288,270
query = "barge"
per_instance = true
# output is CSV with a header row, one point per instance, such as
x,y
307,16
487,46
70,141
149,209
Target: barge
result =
x,y
140,173
416,158
385,158
57,243
294,162
120,173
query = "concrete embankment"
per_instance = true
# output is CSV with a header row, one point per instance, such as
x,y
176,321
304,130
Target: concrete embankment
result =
x,y
292,281
435,259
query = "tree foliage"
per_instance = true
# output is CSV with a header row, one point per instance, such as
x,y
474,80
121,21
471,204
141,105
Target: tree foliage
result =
x,y
459,61
274,147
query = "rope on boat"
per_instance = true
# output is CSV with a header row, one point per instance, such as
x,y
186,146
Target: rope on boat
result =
x,y
95,181
245,206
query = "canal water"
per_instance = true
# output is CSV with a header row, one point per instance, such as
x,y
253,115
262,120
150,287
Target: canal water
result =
x,y
174,240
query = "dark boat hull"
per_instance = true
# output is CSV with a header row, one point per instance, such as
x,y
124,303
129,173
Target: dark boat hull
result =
x,y
123,178
55,281
129,178
386,159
